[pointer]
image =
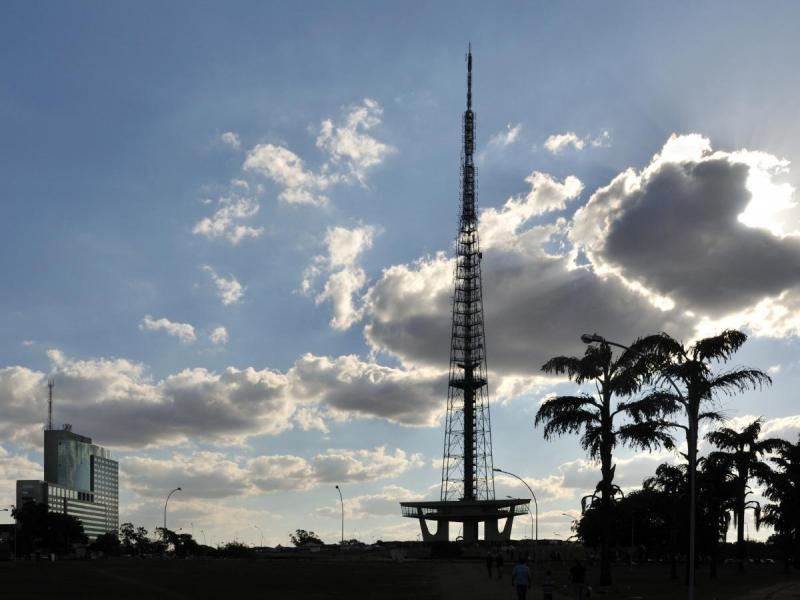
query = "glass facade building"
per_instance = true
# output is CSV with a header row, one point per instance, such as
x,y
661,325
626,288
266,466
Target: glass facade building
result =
x,y
80,479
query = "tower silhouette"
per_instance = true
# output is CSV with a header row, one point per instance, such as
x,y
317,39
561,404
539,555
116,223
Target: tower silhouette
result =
x,y
467,492
467,462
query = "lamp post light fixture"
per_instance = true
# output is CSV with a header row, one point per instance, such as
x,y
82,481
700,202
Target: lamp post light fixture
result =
x,y
203,533
591,338
341,500
535,502
177,489
262,535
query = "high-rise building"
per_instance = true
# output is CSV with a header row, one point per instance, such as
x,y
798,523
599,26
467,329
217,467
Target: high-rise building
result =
x,y
467,492
80,479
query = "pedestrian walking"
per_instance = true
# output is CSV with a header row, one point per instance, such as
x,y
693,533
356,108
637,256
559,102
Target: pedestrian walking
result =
x,y
548,586
577,575
499,562
521,579
489,563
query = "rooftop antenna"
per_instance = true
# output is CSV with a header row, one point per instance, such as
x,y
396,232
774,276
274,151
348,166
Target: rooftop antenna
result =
x,y
50,384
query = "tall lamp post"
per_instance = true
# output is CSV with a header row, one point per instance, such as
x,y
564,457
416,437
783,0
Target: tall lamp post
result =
x,y
341,501
177,489
262,535
587,338
535,502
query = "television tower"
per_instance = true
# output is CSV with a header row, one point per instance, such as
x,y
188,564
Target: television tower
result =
x,y
467,492
467,461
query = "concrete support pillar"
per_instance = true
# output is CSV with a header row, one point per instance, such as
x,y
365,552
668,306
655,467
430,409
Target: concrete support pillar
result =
x,y
470,532
493,534
442,531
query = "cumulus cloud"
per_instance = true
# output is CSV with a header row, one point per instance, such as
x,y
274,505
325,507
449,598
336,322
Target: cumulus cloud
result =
x,y
219,336
348,144
229,290
675,230
206,474
558,142
119,402
350,153
229,138
537,300
227,221
183,331
345,277
382,504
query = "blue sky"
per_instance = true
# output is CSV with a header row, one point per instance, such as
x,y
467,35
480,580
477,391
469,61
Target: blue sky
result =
x,y
176,173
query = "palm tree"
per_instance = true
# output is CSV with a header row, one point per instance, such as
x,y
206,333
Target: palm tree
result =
x,y
740,452
595,416
783,491
691,367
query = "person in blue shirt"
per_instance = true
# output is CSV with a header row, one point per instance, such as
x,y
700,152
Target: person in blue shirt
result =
x,y
521,578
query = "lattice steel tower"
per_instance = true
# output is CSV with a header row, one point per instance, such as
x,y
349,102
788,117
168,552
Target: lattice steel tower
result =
x,y
467,462
467,494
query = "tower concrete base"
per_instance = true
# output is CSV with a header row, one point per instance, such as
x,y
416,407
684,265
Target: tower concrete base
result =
x,y
469,513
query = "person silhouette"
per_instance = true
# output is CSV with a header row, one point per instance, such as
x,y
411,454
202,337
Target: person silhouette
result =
x,y
521,578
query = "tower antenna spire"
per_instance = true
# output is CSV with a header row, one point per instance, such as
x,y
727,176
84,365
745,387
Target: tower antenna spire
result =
x,y
50,385
469,77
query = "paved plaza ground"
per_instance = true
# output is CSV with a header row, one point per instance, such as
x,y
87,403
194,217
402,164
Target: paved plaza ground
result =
x,y
355,578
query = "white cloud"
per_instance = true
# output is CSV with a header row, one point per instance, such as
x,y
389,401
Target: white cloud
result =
x,y
536,299
219,336
204,474
506,137
183,331
227,221
229,138
229,290
558,142
382,504
348,144
498,227
351,152
284,167
345,277
119,401
674,231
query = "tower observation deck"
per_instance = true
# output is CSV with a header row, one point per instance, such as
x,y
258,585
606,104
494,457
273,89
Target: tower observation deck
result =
x,y
467,492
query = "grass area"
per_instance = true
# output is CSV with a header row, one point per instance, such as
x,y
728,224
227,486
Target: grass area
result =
x,y
354,578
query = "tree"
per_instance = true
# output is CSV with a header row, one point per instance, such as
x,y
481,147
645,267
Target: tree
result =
x,y
715,498
689,369
38,529
301,537
668,489
783,492
741,452
596,417
108,544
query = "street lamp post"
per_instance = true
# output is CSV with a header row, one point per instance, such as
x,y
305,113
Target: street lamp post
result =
x,y
693,426
262,535
530,514
535,502
203,533
341,500
177,489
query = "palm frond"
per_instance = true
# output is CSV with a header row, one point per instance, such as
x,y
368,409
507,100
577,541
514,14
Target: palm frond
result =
x,y
646,435
739,380
719,347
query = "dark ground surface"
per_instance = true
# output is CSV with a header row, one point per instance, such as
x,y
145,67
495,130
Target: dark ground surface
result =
x,y
354,579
